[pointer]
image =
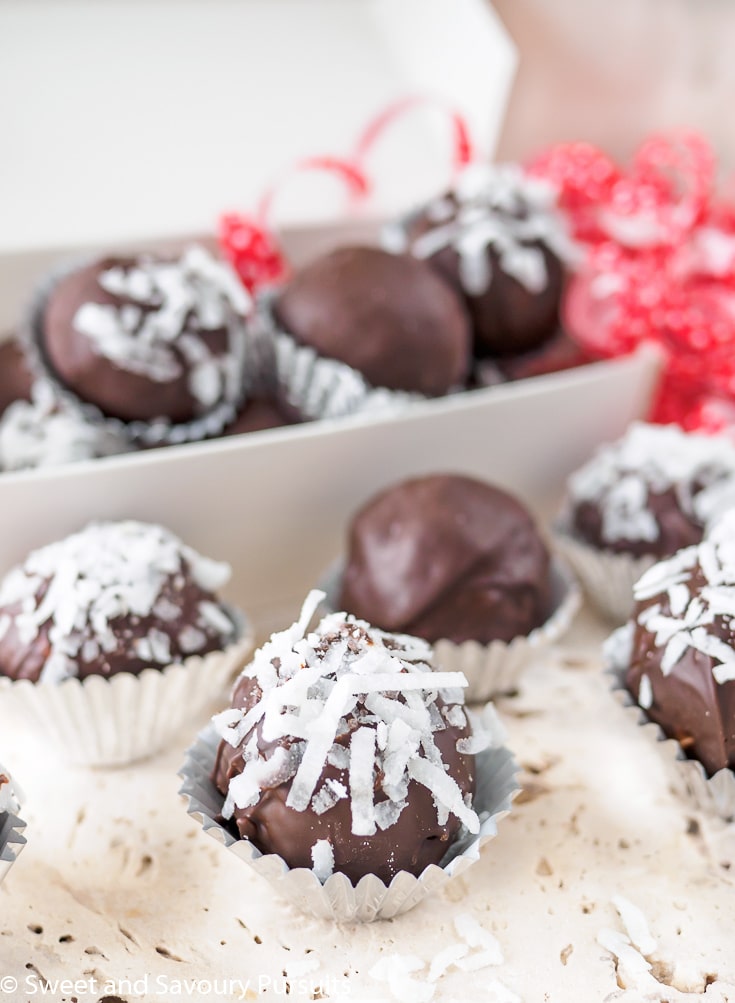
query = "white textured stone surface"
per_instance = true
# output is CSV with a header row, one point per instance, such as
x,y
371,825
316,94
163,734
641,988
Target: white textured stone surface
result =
x,y
116,883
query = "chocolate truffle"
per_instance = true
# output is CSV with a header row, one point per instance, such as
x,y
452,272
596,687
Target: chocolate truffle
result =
x,y
343,751
447,556
499,239
682,662
144,338
388,316
50,431
15,376
651,492
9,800
260,413
555,355
115,597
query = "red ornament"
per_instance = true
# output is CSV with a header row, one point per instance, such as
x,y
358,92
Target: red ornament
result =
x,y
252,250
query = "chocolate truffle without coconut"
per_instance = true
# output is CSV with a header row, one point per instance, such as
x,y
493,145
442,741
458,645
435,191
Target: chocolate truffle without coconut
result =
x,y
499,239
652,492
682,662
344,752
388,316
146,338
115,597
447,556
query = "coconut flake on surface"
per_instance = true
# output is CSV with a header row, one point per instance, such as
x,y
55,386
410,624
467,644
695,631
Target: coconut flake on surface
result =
x,y
397,970
635,924
77,588
362,705
651,459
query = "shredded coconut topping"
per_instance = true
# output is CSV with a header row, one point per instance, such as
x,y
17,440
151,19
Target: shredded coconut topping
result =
x,y
78,586
500,207
654,459
355,697
696,593
48,431
156,331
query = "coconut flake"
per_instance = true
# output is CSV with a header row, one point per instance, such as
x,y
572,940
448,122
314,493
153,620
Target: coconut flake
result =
x,y
322,857
635,924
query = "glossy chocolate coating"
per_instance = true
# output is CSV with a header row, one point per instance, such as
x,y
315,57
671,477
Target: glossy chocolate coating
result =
x,y
413,842
15,376
677,528
119,391
388,316
19,660
688,703
556,354
114,597
507,318
447,556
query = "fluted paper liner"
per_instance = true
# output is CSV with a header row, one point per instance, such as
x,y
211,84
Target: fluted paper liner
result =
x,y
495,668
12,841
111,721
158,432
713,795
317,387
607,578
337,898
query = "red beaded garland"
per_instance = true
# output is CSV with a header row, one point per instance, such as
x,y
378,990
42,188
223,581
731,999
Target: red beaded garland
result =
x,y
659,267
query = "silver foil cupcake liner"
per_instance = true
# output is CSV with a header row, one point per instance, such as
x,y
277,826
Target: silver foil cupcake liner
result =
x,y
317,387
337,898
607,578
12,841
112,721
495,668
158,432
712,795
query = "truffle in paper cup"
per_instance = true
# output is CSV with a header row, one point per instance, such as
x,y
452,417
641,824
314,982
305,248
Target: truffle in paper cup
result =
x,y
495,668
228,373
676,656
112,721
636,500
351,770
336,897
113,637
12,840
317,387
713,795
607,578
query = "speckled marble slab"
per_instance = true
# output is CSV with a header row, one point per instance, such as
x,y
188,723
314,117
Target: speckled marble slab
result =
x,y
121,892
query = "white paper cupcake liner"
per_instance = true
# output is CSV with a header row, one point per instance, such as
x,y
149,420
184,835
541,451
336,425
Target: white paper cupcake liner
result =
x,y
337,898
495,668
713,795
115,720
317,387
12,841
607,578
159,432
